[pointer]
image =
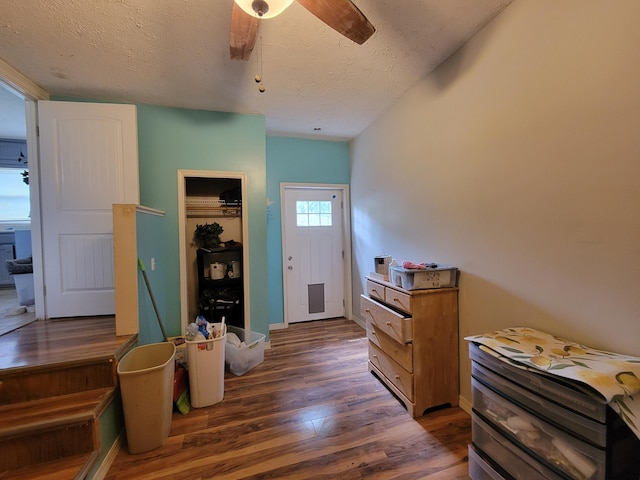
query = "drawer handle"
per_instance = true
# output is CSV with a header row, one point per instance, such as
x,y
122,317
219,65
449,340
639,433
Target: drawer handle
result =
x,y
367,310
374,290
375,356
388,324
396,299
397,377
373,332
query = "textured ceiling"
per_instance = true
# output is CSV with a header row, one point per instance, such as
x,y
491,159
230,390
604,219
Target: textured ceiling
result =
x,y
176,53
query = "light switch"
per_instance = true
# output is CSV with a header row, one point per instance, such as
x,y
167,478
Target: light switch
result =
x,y
153,264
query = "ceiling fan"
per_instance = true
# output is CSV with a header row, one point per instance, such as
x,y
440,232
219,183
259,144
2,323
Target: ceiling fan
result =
x,y
341,15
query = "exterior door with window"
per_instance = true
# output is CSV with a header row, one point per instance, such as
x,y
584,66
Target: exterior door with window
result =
x,y
313,253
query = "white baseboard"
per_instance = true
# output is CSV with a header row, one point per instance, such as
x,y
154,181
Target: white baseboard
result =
x,y
361,323
109,458
465,404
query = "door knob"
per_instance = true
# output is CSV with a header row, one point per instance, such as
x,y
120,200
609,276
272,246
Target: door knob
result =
x,y
290,258
290,267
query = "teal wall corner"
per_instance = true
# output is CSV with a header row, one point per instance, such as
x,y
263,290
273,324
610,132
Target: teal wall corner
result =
x,y
294,160
170,139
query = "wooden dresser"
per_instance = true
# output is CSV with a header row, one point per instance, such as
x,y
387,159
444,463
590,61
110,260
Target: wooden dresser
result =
x,y
413,343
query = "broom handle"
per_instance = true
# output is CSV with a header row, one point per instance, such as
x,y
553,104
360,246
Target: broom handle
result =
x,y
153,300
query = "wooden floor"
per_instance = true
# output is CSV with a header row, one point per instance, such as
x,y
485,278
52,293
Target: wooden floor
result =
x,y
12,314
310,411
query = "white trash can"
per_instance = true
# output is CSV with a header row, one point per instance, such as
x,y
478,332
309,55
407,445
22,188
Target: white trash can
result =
x,y
146,385
205,364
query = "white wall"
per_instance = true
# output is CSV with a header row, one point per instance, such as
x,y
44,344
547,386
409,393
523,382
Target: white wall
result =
x,y
518,161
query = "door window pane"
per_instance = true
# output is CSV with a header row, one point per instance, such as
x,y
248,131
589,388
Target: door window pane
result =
x,y
313,214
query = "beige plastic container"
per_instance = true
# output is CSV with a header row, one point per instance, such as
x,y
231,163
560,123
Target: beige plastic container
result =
x,y
205,363
146,384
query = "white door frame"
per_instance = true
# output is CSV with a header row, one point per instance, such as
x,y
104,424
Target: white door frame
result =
x,y
182,240
346,240
31,93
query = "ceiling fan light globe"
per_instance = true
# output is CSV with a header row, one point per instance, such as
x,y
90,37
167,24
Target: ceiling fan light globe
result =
x,y
274,7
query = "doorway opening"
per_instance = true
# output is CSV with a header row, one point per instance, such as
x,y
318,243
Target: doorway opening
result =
x,y
17,296
213,276
12,80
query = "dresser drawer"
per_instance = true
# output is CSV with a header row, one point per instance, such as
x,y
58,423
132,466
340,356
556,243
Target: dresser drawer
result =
x,y
397,375
399,300
375,290
481,469
400,352
505,457
554,388
561,451
590,430
386,320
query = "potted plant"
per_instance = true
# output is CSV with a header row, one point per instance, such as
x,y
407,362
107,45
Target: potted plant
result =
x,y
208,235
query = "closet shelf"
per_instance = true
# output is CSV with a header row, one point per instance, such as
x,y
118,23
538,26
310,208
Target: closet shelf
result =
x,y
199,207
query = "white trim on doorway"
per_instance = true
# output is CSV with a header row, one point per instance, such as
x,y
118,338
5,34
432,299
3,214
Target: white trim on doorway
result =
x,y
21,84
346,229
182,239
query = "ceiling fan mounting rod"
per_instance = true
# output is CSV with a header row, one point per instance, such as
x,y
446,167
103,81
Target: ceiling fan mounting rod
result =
x,y
261,7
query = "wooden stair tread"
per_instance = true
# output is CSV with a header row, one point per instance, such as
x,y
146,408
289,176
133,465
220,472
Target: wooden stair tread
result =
x,y
45,413
55,366
75,467
57,341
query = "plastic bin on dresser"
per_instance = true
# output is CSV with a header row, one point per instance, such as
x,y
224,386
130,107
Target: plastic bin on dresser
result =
x,y
205,364
248,355
442,276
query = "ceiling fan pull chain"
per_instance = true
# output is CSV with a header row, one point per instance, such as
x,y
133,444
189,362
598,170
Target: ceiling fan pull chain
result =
x,y
258,77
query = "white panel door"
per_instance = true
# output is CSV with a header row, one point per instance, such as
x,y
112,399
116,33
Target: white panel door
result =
x,y
88,162
313,254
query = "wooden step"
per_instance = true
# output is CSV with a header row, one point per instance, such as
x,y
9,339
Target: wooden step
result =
x,y
52,428
55,379
71,468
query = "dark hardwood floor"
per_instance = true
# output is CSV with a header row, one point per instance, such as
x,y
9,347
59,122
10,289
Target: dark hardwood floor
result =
x,y
310,411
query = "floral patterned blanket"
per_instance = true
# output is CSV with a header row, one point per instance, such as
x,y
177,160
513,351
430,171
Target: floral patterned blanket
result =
x,y
616,377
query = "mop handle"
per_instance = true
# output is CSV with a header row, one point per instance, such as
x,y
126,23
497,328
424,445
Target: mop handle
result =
x,y
153,300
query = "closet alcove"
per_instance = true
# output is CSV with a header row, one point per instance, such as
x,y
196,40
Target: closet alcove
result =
x,y
215,274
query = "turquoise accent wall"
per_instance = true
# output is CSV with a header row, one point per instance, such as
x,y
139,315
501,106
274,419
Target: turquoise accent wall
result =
x,y
111,424
294,160
151,244
170,139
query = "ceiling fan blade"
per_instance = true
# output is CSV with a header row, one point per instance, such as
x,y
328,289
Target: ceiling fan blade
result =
x,y
343,16
244,30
